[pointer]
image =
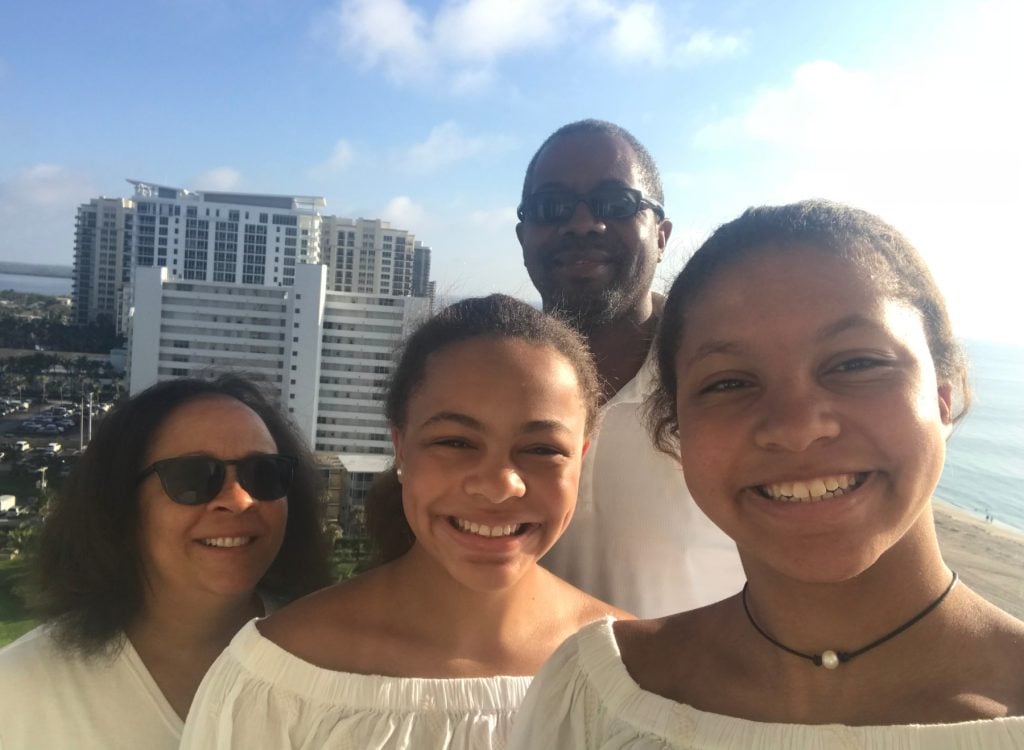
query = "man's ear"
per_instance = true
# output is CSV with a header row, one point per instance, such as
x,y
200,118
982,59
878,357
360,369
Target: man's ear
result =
x,y
519,233
664,232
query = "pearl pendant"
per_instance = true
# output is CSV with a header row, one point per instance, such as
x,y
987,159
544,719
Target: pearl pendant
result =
x,y
829,659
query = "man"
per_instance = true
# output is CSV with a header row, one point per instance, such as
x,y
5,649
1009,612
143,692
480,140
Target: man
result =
x,y
593,231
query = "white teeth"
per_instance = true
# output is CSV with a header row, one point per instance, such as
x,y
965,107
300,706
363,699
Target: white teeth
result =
x,y
480,529
227,541
812,490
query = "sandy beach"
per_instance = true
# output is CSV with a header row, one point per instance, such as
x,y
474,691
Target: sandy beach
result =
x,y
989,558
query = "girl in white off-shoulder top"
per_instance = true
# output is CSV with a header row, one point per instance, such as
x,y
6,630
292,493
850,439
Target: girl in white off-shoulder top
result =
x,y
808,381
491,406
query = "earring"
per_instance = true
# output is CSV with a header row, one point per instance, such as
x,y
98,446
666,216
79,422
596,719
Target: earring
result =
x,y
398,473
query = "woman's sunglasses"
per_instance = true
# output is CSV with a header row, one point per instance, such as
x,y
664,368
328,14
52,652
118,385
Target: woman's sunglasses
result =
x,y
195,480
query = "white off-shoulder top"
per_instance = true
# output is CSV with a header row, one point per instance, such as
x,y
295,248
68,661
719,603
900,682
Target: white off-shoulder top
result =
x,y
583,697
259,695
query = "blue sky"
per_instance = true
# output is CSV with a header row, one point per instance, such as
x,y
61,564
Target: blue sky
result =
x,y
426,113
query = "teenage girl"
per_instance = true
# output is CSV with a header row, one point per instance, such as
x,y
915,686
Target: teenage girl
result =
x,y
491,406
809,380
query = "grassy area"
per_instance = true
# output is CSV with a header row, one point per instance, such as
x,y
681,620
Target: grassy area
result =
x,y
14,618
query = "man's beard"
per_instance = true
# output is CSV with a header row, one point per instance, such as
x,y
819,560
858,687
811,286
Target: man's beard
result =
x,y
587,310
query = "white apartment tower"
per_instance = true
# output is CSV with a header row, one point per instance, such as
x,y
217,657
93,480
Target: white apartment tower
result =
x,y
235,238
327,354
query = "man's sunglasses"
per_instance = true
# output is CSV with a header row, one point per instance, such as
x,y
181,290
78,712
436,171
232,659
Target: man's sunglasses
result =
x,y
195,480
558,206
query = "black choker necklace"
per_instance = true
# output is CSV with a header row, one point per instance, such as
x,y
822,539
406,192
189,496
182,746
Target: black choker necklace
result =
x,y
831,659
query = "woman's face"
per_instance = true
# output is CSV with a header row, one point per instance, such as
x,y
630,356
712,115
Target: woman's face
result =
x,y
490,456
812,427
223,548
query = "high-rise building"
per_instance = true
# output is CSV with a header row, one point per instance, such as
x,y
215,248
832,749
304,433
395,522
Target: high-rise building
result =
x,y
232,238
326,354
103,242
422,286
367,256
237,238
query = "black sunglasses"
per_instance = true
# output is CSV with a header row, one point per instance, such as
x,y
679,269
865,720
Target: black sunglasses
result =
x,y
195,480
558,206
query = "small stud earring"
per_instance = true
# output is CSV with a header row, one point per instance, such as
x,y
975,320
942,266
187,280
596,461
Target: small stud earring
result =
x,y
398,473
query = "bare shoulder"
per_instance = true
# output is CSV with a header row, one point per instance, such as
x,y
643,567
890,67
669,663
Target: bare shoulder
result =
x,y
994,656
581,608
658,653
325,627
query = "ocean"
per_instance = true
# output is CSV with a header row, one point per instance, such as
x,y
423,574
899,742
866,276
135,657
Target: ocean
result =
x,y
53,285
984,471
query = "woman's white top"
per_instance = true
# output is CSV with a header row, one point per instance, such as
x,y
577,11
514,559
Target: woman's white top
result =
x,y
50,698
259,695
583,697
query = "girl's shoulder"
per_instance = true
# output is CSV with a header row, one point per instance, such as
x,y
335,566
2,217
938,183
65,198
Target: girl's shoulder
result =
x,y
990,653
326,628
578,607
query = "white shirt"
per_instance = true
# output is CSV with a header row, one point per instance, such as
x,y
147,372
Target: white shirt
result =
x,y
50,698
584,698
259,695
637,539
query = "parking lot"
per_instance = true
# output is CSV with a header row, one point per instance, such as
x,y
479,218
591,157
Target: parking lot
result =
x,y
43,440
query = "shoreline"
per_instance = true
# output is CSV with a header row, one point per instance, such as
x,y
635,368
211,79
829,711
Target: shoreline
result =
x,y
989,557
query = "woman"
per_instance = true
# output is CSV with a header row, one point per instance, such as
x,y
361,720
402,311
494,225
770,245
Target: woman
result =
x,y
490,405
809,380
192,510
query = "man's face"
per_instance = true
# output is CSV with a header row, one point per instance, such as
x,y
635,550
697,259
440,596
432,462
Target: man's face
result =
x,y
591,270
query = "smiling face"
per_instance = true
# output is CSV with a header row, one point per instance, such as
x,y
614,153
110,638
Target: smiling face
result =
x,y
598,270
490,454
222,548
812,427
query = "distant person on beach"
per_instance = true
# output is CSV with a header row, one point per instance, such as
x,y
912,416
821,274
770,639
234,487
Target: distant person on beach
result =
x,y
491,405
808,378
593,230
193,510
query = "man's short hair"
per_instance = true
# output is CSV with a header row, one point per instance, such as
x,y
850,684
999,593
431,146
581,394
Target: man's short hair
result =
x,y
648,169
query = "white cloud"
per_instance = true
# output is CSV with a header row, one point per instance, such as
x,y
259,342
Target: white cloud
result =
x,y
463,41
472,80
707,45
933,145
386,33
340,159
637,34
641,33
402,211
482,30
447,144
37,213
218,179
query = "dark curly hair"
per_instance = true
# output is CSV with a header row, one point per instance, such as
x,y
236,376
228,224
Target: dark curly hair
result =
x,y
648,168
497,316
848,233
87,566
